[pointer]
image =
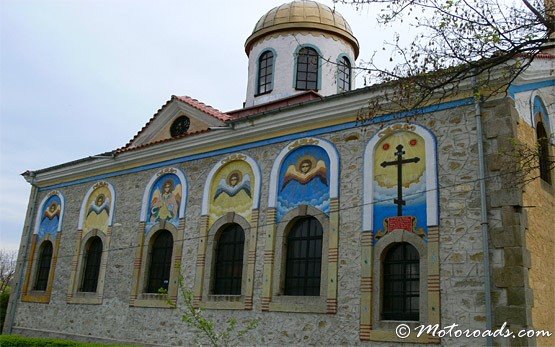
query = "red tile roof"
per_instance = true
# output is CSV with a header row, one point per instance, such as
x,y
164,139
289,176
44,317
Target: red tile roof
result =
x,y
188,100
225,117
272,105
127,148
203,107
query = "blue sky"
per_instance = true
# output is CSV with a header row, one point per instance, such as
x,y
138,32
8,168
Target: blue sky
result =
x,y
81,77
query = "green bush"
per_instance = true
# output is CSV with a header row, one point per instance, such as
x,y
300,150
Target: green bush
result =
x,y
4,298
22,341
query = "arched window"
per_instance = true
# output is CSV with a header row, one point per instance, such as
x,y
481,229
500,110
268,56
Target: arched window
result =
x,y
307,69
543,152
93,255
401,281
43,266
160,262
304,258
265,71
344,74
228,269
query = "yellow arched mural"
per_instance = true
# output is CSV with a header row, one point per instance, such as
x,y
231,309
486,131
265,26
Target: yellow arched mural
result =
x,y
97,209
413,146
232,190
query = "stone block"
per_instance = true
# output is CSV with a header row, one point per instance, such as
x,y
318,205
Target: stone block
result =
x,y
506,197
494,162
506,237
514,256
517,296
508,276
511,314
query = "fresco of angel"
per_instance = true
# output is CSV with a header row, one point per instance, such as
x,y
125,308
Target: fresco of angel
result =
x,y
165,202
98,213
234,183
307,169
51,216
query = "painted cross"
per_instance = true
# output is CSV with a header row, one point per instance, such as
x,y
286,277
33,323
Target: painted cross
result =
x,y
399,162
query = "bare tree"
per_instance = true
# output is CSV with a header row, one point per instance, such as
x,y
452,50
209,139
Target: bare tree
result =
x,y
456,40
7,268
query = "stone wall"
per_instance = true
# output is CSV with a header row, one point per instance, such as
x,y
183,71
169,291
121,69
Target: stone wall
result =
x,y
460,243
539,204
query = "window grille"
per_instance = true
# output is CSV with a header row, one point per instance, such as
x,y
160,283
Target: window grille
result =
x,y
401,281
265,71
307,69
160,262
93,255
228,269
344,75
304,258
43,267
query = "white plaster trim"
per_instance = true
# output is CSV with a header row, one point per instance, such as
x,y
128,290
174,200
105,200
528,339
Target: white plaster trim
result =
x,y
334,168
257,178
168,113
153,179
543,97
431,177
84,204
41,205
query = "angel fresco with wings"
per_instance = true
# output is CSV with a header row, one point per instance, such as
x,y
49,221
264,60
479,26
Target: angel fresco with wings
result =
x,y
98,213
50,218
165,202
234,183
304,180
307,169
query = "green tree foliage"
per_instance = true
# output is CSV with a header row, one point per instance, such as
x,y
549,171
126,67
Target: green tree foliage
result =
x,y
195,318
453,41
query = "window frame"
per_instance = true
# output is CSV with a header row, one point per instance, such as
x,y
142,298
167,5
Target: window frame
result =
x,y
296,303
74,294
40,266
86,262
270,73
298,64
341,82
543,144
381,248
304,259
166,264
29,294
404,293
237,257
209,300
139,296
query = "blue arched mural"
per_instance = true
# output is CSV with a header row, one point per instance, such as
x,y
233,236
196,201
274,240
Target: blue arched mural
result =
x,y
304,179
164,201
50,216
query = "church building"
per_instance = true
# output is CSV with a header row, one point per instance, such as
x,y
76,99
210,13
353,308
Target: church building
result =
x,y
292,212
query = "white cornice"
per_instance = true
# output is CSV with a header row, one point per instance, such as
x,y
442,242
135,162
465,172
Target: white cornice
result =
x,y
289,120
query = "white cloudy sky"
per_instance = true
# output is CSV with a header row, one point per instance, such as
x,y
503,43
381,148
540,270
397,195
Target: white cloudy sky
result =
x,y
80,77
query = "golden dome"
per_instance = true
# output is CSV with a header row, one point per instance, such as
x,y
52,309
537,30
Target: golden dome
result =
x,y
302,14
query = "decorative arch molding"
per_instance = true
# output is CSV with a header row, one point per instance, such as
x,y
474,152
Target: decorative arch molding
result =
x,y
213,215
432,192
234,157
82,212
41,208
296,207
537,104
184,189
333,156
48,228
204,284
